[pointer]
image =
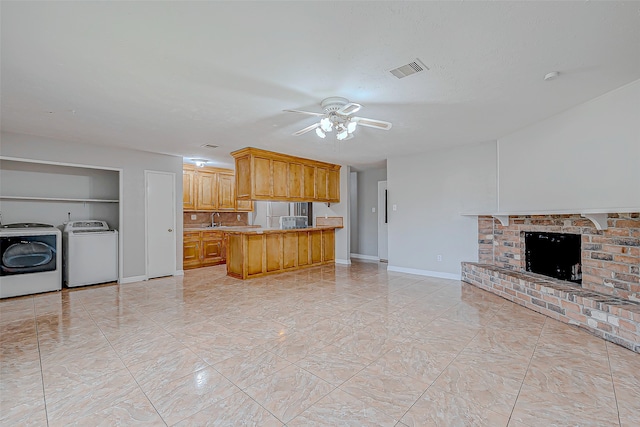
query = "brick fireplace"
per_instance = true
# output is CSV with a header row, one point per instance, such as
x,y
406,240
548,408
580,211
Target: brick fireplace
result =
x,y
608,301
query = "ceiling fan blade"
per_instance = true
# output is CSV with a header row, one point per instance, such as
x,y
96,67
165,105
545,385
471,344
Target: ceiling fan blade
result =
x,y
372,123
349,108
305,112
307,129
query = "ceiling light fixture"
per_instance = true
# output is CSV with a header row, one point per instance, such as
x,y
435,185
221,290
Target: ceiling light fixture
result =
x,y
338,115
326,125
552,75
200,162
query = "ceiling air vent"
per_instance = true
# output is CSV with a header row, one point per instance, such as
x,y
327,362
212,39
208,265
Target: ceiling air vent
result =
x,y
210,146
414,67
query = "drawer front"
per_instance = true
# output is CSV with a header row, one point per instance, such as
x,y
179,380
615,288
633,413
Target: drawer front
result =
x,y
191,235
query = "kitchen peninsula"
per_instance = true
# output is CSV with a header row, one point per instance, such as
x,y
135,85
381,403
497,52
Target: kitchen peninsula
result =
x,y
269,176
259,252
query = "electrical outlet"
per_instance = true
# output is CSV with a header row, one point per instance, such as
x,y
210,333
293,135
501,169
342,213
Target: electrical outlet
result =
x,y
238,217
395,207
373,210
193,216
439,258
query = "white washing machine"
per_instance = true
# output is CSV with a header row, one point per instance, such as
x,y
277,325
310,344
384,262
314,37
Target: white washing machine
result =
x,y
90,253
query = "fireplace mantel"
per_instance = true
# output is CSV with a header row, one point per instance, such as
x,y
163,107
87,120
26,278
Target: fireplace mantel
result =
x,y
597,216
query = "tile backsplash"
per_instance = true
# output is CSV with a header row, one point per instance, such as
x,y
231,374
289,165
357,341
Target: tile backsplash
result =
x,y
225,218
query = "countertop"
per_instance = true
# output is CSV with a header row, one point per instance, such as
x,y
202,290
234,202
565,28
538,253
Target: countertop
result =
x,y
256,229
246,230
222,228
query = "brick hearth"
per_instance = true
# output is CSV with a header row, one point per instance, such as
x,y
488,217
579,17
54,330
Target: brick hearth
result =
x,y
608,302
611,318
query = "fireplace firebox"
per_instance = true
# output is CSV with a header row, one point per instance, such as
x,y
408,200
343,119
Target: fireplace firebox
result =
x,y
556,255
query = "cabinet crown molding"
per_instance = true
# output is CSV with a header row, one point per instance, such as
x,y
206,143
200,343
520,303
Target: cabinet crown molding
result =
x,y
284,157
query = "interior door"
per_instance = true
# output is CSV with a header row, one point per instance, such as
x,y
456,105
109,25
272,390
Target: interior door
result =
x,y
160,210
383,219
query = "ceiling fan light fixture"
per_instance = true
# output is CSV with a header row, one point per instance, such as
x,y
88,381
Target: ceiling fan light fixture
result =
x,y
338,115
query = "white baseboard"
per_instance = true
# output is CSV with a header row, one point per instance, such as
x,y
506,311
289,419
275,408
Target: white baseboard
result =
x,y
429,273
132,279
367,257
179,273
343,261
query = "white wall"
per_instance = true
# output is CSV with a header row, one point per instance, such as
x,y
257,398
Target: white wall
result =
x,y
430,191
367,220
133,164
585,158
353,211
343,246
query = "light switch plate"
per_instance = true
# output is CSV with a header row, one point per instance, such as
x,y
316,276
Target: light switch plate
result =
x,y
395,207
373,210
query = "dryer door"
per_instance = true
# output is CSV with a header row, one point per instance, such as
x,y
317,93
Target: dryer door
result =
x,y
27,254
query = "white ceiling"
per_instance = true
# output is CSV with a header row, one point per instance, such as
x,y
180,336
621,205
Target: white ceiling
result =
x,y
168,77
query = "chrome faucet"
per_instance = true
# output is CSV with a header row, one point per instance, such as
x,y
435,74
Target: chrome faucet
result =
x,y
213,214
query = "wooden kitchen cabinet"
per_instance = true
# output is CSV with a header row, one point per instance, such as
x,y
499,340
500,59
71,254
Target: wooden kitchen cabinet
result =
x,y
244,205
315,243
309,182
226,192
203,249
212,247
265,175
207,184
188,189
258,253
191,250
322,175
211,189
289,250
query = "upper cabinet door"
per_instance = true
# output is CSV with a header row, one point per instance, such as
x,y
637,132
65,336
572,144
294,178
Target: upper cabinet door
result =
x,y
226,192
296,181
262,173
243,178
207,191
322,176
280,179
309,192
188,190
333,186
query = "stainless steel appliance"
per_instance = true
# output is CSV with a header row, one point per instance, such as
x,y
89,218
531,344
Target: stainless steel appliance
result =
x,y
304,209
293,222
30,259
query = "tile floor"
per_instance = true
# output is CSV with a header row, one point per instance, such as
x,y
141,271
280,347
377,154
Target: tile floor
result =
x,y
328,346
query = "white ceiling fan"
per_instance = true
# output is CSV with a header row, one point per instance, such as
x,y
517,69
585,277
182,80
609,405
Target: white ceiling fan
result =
x,y
338,116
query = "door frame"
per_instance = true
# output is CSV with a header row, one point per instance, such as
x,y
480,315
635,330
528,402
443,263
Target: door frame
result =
x,y
146,219
383,220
